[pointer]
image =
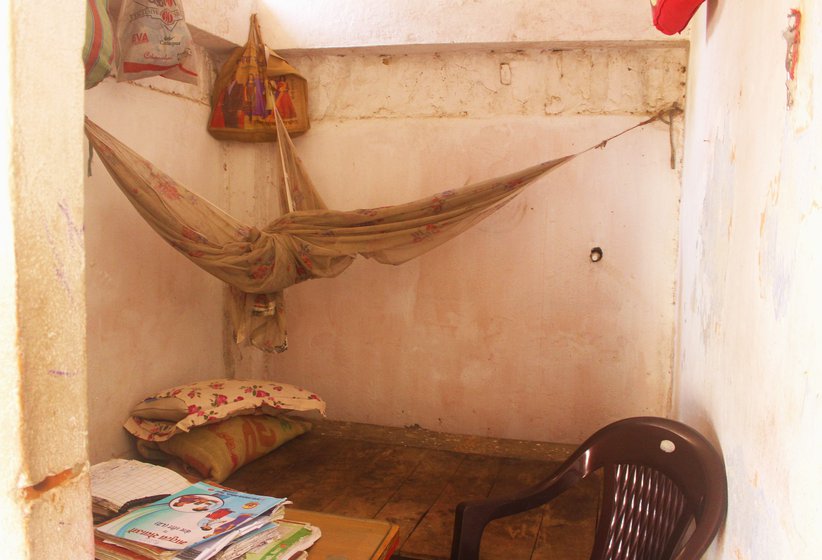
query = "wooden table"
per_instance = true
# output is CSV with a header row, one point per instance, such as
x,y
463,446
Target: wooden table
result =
x,y
348,538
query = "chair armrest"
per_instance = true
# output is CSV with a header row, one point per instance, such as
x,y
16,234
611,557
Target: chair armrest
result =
x,y
472,516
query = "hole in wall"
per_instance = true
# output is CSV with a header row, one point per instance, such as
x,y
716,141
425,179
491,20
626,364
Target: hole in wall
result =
x,y
596,254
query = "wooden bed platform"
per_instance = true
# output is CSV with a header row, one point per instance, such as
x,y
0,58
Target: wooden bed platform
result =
x,y
415,477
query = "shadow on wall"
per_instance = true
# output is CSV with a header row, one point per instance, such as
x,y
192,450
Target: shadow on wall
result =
x,y
698,418
714,14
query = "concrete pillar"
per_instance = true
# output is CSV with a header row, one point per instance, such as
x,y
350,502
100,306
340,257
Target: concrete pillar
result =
x,y
44,501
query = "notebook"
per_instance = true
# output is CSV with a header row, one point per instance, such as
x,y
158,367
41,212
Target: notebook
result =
x,y
117,482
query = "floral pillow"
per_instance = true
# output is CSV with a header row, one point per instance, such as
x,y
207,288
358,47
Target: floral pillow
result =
x,y
179,409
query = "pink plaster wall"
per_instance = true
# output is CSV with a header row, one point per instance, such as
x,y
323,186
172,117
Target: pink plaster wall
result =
x,y
154,320
509,330
749,365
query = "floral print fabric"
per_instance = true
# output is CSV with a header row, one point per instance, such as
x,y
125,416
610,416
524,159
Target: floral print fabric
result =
x,y
208,402
308,241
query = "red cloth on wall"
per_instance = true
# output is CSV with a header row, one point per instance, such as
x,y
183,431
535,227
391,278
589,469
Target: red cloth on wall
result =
x,y
672,16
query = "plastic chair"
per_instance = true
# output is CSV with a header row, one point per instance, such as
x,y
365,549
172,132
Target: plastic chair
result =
x,y
664,494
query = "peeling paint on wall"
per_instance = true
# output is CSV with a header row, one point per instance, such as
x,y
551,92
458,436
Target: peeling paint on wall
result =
x,y
775,263
36,491
714,245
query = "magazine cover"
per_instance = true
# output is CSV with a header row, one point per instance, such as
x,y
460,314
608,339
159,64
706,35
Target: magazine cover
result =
x,y
200,512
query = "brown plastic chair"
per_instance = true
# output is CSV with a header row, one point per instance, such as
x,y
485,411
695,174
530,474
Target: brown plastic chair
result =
x,y
664,494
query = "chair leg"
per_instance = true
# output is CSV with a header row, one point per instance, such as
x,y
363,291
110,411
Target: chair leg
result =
x,y
467,534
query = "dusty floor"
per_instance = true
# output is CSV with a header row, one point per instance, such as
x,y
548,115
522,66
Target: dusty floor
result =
x,y
415,478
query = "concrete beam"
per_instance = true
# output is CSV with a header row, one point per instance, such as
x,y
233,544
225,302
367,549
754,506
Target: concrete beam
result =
x,y
415,25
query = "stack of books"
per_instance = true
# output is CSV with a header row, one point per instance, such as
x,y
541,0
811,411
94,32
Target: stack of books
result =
x,y
201,521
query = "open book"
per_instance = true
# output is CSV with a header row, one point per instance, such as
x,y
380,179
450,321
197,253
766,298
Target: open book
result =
x,y
118,482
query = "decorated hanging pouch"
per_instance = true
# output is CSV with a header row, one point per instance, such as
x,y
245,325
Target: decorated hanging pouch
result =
x,y
250,86
288,93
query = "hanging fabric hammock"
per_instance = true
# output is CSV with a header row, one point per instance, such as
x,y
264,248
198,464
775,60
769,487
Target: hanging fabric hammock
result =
x,y
308,240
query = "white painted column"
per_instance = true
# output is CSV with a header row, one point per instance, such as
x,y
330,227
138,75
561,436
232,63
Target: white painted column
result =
x,y
44,501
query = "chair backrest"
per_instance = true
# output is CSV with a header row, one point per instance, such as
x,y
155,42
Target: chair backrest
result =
x,y
664,493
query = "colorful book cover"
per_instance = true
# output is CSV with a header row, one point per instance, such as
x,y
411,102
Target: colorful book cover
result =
x,y
190,517
292,537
